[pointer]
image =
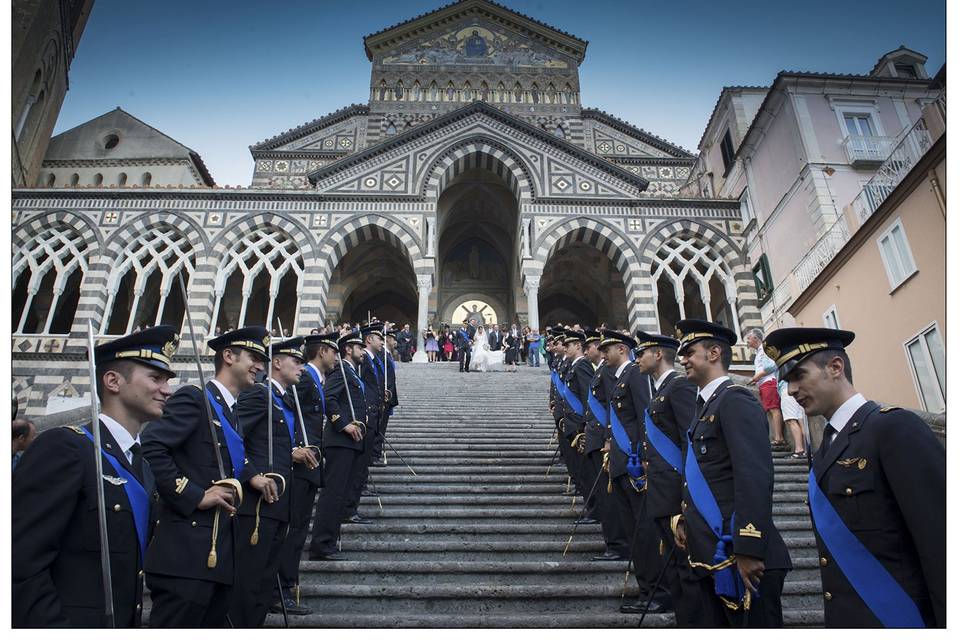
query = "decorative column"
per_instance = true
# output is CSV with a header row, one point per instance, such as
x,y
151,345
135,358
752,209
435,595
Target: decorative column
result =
x,y
531,287
424,285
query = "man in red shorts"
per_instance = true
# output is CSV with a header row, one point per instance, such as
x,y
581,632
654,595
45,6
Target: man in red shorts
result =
x,y
765,377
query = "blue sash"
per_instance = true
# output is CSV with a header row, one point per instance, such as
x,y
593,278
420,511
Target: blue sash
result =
x,y
353,372
555,379
597,409
136,495
663,445
376,367
234,441
570,397
727,581
880,591
634,465
287,414
319,385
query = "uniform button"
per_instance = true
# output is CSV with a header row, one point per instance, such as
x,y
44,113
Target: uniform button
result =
x,y
116,507
139,607
823,562
193,524
158,522
140,573
848,491
827,595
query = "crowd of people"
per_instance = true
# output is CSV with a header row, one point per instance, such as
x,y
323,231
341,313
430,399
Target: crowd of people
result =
x,y
207,495
685,469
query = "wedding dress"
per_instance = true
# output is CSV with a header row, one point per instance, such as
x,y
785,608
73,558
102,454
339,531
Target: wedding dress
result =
x,y
480,357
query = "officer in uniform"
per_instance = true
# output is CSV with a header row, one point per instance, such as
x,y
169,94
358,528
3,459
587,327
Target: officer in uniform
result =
x,y
190,577
56,561
728,471
390,377
559,365
670,413
264,518
371,373
577,380
617,542
877,491
320,353
629,397
343,444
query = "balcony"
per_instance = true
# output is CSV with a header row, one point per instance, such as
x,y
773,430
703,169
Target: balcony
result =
x,y
866,151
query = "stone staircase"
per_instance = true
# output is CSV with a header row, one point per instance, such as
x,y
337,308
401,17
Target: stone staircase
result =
x,y
475,538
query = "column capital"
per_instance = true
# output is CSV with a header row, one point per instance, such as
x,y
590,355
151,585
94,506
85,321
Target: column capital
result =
x,y
425,281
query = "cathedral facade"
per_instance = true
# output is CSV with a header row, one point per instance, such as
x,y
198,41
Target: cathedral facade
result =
x,y
473,174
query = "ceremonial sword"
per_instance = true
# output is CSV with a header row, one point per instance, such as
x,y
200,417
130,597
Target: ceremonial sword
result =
x,y
98,466
296,402
224,481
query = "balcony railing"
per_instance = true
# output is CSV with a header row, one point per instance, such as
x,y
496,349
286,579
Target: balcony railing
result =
x,y
893,170
864,150
822,253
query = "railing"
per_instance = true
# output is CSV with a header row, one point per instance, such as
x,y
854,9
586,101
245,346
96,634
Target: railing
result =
x,y
822,253
894,169
867,149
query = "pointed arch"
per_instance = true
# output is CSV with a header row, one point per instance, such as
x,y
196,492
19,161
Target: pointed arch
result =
x,y
479,152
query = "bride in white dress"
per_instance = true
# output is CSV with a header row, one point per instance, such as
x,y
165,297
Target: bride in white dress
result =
x,y
482,358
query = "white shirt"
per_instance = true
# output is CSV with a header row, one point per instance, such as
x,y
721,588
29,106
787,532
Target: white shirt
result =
x,y
121,435
227,396
762,362
662,379
319,373
278,387
844,412
708,390
574,363
620,369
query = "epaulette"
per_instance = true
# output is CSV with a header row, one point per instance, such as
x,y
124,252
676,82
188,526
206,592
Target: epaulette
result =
x,y
75,429
886,409
738,386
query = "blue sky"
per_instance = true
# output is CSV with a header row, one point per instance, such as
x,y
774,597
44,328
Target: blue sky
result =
x,y
220,75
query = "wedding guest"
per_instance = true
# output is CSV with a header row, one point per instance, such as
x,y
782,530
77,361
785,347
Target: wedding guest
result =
x,y
430,344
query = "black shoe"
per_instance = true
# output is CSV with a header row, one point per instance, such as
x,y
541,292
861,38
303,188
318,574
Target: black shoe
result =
x,y
572,492
608,555
586,520
357,519
293,608
379,462
332,556
369,493
655,607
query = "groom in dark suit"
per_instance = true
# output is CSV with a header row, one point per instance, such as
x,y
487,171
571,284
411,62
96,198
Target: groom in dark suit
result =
x,y
496,338
465,343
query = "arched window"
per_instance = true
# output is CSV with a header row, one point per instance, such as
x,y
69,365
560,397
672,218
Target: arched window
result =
x,y
484,92
74,179
143,286
398,90
122,179
517,93
97,179
501,93
33,107
417,93
391,129
467,91
434,91
47,271
551,95
690,280
383,90
535,94
51,179
568,94
146,179
451,91
254,275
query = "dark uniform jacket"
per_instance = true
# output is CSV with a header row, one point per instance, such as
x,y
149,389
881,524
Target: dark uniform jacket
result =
x,y
57,578
312,407
577,379
180,451
560,365
671,410
731,444
596,427
252,414
885,475
372,376
629,396
392,383
338,408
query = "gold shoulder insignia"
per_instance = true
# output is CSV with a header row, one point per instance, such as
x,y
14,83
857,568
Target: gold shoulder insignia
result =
x,y
886,409
849,462
750,531
181,484
737,386
76,430
334,417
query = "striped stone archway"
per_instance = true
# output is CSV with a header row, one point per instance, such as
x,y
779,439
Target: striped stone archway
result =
x,y
746,310
478,153
603,237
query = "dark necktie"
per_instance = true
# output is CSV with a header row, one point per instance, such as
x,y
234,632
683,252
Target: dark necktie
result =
x,y
828,433
137,461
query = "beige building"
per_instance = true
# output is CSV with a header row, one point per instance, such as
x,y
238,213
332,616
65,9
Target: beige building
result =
x,y
45,34
887,282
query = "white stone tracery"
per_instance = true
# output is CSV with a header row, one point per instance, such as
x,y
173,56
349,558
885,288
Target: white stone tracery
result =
x,y
268,251
60,248
680,258
161,247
